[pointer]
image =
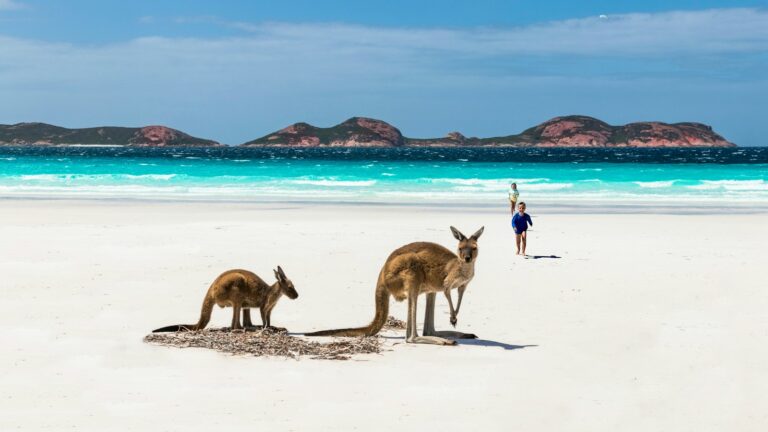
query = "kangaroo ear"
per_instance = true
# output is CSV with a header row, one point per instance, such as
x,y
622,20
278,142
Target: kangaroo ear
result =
x,y
477,234
281,273
456,233
277,275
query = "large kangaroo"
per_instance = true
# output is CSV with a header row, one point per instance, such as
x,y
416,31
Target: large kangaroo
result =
x,y
421,268
241,289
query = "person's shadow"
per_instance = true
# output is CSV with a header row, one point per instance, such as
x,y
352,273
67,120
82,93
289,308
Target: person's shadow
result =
x,y
544,256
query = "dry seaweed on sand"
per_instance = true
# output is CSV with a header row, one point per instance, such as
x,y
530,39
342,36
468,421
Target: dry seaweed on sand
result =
x,y
267,343
394,323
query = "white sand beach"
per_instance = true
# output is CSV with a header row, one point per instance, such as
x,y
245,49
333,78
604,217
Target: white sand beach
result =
x,y
644,322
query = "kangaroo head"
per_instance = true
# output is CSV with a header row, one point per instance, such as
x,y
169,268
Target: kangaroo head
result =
x,y
467,250
286,286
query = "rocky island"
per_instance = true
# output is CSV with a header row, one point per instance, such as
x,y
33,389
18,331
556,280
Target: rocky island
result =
x,y
567,131
355,132
148,136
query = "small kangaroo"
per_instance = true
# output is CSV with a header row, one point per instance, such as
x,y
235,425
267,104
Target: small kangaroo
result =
x,y
421,268
241,289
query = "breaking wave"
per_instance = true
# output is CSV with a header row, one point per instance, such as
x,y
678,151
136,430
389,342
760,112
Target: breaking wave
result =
x,y
655,184
731,185
334,183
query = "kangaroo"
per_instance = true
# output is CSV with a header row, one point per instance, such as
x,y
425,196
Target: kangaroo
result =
x,y
240,289
421,268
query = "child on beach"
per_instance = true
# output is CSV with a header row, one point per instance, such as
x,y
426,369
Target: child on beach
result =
x,y
513,195
520,222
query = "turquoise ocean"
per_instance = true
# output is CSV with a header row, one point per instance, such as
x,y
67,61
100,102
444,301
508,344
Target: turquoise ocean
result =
x,y
416,175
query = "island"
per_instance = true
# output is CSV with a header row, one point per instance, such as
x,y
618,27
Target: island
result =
x,y
566,131
42,134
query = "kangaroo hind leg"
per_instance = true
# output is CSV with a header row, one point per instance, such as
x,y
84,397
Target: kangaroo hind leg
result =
x,y
429,323
236,317
247,323
268,315
412,335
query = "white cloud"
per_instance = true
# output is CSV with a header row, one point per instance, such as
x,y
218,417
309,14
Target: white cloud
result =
x,y
275,73
705,31
10,5
342,54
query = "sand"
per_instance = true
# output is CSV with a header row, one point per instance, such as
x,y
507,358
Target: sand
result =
x,y
644,322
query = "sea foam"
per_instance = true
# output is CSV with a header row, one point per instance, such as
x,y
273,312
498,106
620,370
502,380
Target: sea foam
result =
x,y
655,184
332,183
731,185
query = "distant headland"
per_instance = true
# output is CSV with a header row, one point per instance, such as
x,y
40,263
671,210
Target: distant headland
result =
x,y
566,131
41,134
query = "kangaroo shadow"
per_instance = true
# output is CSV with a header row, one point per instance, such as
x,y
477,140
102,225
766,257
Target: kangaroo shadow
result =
x,y
490,343
473,342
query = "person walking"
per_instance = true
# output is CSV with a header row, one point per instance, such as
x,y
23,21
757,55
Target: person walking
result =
x,y
520,222
514,194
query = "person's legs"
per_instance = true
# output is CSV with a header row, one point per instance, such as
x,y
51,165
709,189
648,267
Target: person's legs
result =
x,y
517,243
524,241
512,207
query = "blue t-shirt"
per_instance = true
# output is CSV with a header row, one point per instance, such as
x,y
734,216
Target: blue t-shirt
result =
x,y
520,223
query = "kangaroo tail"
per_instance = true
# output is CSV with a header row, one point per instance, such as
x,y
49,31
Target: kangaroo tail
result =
x,y
382,310
205,317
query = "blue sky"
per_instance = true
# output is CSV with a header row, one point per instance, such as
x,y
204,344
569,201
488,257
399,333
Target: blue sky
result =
x,y
237,70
